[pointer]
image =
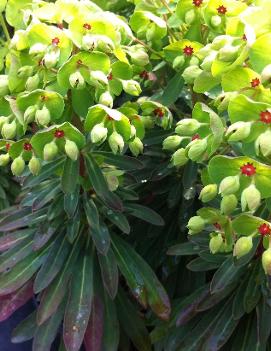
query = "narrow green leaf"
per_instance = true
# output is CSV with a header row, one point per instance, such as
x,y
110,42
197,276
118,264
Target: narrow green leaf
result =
x,y
144,213
109,270
184,249
123,162
94,332
25,330
70,176
111,332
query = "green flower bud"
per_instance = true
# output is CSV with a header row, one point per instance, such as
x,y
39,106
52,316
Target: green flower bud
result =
x,y
148,121
197,149
251,198
19,40
222,101
263,144
43,116
242,246
216,243
106,99
208,61
4,160
116,142
136,146
220,41
187,126
17,166
229,185
239,131
228,53
216,21
98,79
98,133
191,73
29,114
178,62
266,261
138,55
194,61
179,158
4,89
195,225
32,83
172,142
105,44
190,16
77,81
50,58
228,204
131,87
3,120
38,50
50,151
25,71
266,74
9,130
208,193
34,165
71,150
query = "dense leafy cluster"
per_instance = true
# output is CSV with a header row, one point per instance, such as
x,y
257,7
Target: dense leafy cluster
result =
x,y
109,112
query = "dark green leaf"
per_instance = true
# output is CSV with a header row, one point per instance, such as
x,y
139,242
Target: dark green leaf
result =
x,y
144,213
123,162
109,270
70,176
25,330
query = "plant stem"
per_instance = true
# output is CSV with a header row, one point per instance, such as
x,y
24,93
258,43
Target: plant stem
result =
x,y
148,47
166,6
4,26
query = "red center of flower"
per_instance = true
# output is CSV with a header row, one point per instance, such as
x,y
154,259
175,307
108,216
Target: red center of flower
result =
x,y
195,137
248,169
27,147
59,133
265,117
197,2
87,26
264,229
7,146
221,10
144,75
158,112
244,37
188,50
217,226
110,76
255,82
55,41
60,26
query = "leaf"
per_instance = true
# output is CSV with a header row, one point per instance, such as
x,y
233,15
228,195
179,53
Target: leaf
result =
x,y
94,331
109,270
119,220
10,240
238,309
260,52
70,176
123,162
252,294
144,213
25,330
200,265
263,322
183,249
78,308
71,202
111,330
173,90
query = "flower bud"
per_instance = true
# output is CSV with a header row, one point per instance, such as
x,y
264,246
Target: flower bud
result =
x,y
131,87
25,71
43,116
229,185
266,261
228,204
50,58
9,130
179,158
4,89
148,121
220,41
32,83
251,198
239,131
216,243
106,99
98,79
197,149
17,166
216,21
242,246
105,44
37,50
89,42
195,225
187,126
50,151
3,120
138,55
19,40
29,114
34,165
71,150
4,160
222,101
77,81
263,143
172,142
133,132
208,193
136,146
191,73
98,133
178,62
116,142
207,63
190,16
228,53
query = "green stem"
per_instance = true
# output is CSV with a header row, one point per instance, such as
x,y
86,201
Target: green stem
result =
x,y
148,47
4,26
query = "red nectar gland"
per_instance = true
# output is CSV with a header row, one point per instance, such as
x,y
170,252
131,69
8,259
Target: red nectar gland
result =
x,y
110,76
188,50
197,3
159,112
221,10
60,26
195,137
244,37
265,117
264,229
59,133
87,26
255,82
217,226
55,41
7,146
144,75
27,147
248,169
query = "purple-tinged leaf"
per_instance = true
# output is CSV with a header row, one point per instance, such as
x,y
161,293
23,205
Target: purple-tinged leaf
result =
x,y
10,240
25,330
94,332
42,237
109,270
111,334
